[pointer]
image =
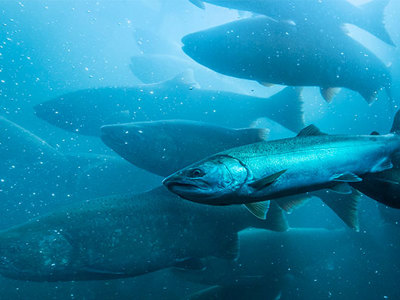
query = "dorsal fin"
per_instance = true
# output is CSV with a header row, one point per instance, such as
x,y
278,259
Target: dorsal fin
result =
x,y
184,79
311,130
374,133
198,3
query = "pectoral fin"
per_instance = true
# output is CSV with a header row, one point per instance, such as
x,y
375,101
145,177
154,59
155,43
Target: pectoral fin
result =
x,y
266,181
259,209
346,177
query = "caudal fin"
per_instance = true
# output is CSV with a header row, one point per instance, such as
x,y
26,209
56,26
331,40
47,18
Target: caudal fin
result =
x,y
374,16
198,3
383,187
396,124
286,108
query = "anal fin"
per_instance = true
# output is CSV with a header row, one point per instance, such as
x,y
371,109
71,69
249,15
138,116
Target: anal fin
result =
x,y
291,202
341,188
276,220
329,93
345,206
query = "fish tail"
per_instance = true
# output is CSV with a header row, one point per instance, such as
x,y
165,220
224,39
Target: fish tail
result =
x,y
374,14
396,124
286,108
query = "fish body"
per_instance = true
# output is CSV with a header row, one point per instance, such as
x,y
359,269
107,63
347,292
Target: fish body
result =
x,y
164,147
86,111
121,236
280,52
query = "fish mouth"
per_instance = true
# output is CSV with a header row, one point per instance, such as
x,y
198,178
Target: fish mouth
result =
x,y
186,187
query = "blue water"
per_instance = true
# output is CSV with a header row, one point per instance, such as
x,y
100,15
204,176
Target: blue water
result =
x,y
51,48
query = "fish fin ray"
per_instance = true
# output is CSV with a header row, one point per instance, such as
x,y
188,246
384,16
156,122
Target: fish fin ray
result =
x,y
266,181
374,11
346,177
344,206
383,165
261,134
276,220
311,130
259,209
341,188
328,93
292,202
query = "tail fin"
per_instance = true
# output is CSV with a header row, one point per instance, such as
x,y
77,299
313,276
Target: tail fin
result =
x,y
198,3
374,16
396,124
286,108
383,187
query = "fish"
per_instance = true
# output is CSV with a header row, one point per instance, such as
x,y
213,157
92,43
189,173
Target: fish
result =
x,y
123,236
285,263
85,111
280,52
274,169
164,147
321,14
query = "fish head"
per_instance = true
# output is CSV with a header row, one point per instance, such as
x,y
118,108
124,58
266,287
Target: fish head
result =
x,y
148,145
59,112
210,181
82,112
240,48
29,254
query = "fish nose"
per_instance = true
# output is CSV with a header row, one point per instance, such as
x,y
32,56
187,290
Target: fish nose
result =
x,y
170,180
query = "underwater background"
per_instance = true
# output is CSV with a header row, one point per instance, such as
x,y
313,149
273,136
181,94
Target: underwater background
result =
x,y
52,48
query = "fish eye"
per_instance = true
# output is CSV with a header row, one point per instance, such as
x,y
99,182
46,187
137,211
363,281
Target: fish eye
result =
x,y
197,173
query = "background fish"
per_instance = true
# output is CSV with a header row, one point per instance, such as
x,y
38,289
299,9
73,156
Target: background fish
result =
x,y
281,52
87,110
